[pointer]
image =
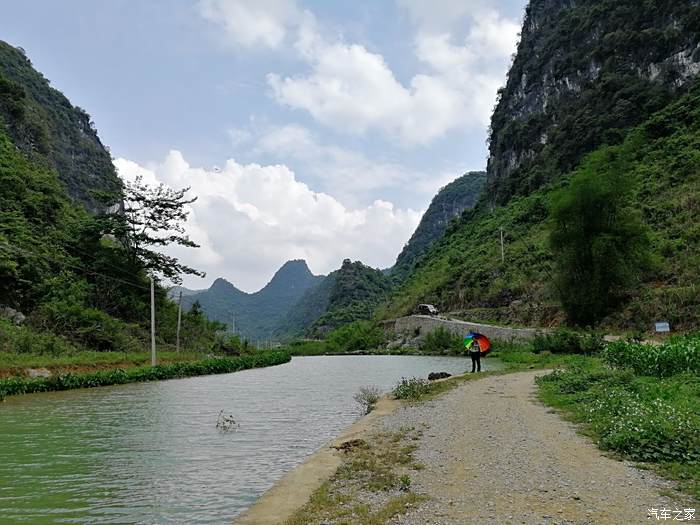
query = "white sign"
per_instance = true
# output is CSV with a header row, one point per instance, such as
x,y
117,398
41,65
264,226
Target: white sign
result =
x,y
662,326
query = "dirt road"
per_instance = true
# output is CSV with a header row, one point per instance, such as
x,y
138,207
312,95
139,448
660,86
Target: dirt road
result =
x,y
493,454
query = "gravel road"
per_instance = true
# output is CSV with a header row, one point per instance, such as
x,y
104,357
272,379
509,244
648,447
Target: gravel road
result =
x,y
493,454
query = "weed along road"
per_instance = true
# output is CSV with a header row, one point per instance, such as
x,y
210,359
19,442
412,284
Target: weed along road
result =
x,y
484,451
492,453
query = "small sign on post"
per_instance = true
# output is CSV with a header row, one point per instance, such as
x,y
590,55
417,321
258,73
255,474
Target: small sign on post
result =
x,y
662,327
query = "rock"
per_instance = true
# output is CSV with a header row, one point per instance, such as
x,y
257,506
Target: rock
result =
x,y
38,372
432,376
347,446
13,315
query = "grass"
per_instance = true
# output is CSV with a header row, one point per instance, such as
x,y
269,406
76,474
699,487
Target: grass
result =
x,y
115,376
14,363
382,466
646,419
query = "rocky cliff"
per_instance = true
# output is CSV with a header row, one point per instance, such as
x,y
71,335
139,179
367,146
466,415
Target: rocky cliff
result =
x,y
44,124
449,203
585,71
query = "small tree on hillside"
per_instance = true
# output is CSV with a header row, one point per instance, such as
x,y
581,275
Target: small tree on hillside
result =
x,y
600,245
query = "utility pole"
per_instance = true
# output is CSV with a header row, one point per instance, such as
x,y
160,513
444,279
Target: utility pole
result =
x,y
233,324
153,324
179,322
503,255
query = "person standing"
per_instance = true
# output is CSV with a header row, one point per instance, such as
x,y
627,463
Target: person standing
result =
x,y
475,354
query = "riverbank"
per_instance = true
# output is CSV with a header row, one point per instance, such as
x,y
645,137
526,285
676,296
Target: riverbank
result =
x,y
529,466
415,465
116,376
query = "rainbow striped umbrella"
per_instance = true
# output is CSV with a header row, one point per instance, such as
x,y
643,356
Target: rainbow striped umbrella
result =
x,y
484,343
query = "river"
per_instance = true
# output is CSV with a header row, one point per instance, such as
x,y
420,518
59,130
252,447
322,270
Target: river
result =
x,y
150,453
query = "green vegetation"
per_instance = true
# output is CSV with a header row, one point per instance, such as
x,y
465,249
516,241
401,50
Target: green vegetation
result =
x,y
79,273
412,389
592,64
441,341
20,385
355,292
358,336
600,245
449,203
371,486
564,341
463,270
367,397
45,127
642,417
679,355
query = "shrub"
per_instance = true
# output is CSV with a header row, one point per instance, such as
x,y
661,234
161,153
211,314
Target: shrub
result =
x,y
563,341
412,388
678,355
367,397
440,341
356,337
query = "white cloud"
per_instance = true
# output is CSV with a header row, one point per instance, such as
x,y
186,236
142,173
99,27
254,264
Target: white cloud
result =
x,y
352,89
252,23
350,175
249,219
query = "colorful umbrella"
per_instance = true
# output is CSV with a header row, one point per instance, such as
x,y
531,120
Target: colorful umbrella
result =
x,y
483,341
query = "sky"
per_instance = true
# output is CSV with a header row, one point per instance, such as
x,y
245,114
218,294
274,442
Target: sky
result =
x,y
308,129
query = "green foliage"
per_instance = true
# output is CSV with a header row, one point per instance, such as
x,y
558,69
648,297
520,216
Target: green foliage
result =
x,y
676,356
355,292
661,159
441,341
647,420
119,376
579,81
564,341
44,125
449,204
412,389
367,397
601,247
355,337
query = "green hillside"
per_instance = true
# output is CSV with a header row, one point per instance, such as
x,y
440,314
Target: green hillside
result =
x,y
463,271
61,265
584,73
449,203
355,292
42,123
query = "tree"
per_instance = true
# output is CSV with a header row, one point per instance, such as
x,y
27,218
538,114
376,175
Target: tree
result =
x,y
152,217
600,245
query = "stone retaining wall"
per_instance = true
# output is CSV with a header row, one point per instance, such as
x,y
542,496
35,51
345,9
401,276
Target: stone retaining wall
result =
x,y
419,325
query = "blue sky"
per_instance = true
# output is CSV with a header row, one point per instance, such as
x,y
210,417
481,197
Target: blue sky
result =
x,y
308,129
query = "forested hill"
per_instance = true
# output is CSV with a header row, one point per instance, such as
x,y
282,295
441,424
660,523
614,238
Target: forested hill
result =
x,y
78,277
449,203
42,123
601,96
584,73
348,294
257,315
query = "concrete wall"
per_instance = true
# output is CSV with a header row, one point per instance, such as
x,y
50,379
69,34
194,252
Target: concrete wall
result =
x,y
425,324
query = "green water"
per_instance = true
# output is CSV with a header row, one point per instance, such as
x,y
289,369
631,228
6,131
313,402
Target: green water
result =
x,y
150,453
